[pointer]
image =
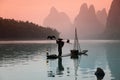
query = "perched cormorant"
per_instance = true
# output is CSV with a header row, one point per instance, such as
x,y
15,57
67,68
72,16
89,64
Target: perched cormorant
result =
x,y
68,41
51,37
52,56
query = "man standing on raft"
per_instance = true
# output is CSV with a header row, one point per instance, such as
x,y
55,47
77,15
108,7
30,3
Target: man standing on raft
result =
x,y
60,45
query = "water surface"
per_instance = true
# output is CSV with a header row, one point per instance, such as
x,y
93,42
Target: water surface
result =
x,y
26,60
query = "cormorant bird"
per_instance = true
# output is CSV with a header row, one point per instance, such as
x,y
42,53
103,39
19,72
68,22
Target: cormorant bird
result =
x,y
68,41
52,56
51,37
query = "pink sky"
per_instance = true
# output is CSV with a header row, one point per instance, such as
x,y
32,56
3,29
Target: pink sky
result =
x,y
36,10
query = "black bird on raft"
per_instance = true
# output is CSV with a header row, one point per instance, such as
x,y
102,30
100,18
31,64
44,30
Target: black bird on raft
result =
x,y
51,37
68,41
52,56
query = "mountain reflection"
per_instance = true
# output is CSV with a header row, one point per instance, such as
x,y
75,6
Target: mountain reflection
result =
x,y
20,53
33,56
113,57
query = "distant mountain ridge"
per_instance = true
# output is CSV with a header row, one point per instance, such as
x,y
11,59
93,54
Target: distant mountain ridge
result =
x,y
88,22
60,21
113,21
102,16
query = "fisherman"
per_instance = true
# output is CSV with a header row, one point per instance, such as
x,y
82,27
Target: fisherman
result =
x,y
60,45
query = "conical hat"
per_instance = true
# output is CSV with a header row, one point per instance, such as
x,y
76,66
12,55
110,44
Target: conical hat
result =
x,y
60,39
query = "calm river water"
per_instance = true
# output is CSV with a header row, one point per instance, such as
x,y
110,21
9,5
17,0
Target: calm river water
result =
x,y
26,60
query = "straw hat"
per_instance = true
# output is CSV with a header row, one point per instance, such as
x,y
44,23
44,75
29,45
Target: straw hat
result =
x,y
60,39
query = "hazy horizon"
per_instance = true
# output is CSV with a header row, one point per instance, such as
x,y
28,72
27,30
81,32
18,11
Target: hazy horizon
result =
x,y
36,10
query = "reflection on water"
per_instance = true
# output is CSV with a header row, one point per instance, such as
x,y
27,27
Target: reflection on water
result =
x,y
28,61
60,68
20,53
76,65
113,57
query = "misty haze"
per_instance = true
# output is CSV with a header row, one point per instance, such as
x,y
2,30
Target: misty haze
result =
x,y
59,39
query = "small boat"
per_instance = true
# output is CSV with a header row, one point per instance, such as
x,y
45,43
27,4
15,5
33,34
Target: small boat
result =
x,y
76,49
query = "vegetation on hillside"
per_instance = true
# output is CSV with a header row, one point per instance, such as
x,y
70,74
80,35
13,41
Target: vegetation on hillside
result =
x,y
11,29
